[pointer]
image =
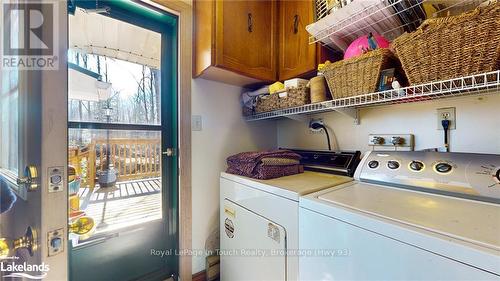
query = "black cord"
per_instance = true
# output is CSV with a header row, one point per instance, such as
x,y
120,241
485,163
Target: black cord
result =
x,y
446,125
327,137
319,126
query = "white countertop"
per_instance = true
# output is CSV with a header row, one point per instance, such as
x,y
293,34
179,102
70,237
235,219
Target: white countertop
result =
x,y
474,221
294,186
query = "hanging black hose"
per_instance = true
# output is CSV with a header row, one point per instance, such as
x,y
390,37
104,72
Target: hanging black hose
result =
x,y
446,125
319,126
327,138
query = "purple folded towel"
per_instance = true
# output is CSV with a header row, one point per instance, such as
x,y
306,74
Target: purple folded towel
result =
x,y
250,164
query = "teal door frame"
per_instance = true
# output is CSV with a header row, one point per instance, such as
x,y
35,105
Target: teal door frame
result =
x,y
166,24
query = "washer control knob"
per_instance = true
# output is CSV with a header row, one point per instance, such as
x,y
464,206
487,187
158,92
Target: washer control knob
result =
x,y
378,140
373,164
397,140
416,165
393,165
443,168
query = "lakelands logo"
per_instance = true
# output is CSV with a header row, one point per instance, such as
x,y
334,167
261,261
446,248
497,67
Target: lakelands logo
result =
x,y
29,35
24,270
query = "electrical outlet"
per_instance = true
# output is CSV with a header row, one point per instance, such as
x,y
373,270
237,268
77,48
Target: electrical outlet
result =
x,y
316,131
448,114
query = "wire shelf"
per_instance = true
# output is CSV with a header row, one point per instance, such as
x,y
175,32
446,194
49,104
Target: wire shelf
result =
x,y
468,85
389,18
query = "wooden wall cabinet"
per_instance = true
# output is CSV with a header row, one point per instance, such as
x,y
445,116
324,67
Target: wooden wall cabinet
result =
x,y
235,41
298,58
247,42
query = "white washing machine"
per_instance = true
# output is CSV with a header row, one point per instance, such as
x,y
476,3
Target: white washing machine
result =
x,y
259,218
407,216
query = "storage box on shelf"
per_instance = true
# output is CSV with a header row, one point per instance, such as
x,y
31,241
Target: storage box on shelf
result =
x,y
360,75
267,103
451,47
291,97
295,97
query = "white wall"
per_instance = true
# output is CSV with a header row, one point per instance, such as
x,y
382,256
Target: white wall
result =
x,y
224,133
478,126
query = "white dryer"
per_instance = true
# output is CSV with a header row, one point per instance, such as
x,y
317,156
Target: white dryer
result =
x,y
259,218
407,216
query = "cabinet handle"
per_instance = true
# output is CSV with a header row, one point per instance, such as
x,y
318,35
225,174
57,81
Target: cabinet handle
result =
x,y
295,24
250,22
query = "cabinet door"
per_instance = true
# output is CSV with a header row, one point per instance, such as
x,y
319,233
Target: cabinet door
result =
x,y
296,55
245,37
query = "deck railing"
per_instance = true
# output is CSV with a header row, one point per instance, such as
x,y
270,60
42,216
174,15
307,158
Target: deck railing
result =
x,y
131,158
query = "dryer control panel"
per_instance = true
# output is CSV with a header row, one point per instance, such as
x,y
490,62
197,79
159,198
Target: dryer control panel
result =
x,y
469,175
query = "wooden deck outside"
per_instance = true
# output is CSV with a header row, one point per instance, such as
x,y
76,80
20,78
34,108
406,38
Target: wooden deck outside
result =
x,y
128,203
133,159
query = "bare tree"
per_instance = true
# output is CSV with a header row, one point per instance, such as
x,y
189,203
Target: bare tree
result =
x,y
155,77
151,95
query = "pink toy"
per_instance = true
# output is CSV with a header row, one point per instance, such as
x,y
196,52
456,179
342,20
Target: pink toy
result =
x,y
361,46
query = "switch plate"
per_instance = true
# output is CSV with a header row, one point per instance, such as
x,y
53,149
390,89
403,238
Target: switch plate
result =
x,y
407,142
196,123
55,242
446,113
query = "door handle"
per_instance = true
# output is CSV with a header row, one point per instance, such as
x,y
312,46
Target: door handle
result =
x,y
28,242
295,24
250,22
30,179
169,152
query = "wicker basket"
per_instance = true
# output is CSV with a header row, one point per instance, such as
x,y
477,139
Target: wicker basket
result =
x,y
452,47
267,103
359,75
295,97
292,98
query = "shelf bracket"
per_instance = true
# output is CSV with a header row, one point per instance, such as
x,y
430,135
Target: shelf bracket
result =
x,y
351,112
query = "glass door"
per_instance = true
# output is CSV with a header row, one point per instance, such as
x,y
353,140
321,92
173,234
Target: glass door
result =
x,y
122,136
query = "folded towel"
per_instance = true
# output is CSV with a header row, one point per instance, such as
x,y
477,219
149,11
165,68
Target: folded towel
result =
x,y
265,164
268,172
255,157
276,161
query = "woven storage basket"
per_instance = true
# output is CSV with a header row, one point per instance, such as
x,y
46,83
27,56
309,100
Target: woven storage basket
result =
x,y
359,75
452,47
267,103
295,97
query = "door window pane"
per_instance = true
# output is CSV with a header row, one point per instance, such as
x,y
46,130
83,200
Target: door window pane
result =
x,y
102,87
9,99
97,158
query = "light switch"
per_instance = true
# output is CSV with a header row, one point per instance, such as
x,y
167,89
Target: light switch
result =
x,y
196,123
